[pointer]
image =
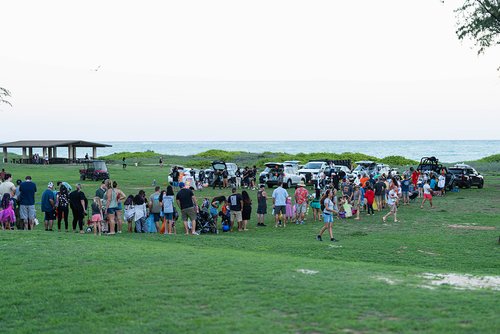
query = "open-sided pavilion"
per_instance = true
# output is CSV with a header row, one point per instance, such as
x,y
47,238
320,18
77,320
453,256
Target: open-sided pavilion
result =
x,y
49,148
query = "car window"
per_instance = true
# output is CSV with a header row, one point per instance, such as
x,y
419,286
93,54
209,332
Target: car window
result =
x,y
313,165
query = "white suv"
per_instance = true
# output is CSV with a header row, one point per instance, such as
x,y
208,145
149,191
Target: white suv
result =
x,y
310,172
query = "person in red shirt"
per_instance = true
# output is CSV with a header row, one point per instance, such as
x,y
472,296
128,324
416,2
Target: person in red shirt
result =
x,y
414,177
370,197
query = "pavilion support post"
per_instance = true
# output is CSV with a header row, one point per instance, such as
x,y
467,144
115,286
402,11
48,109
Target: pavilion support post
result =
x,y
30,153
94,153
74,153
54,152
5,155
70,153
24,153
50,152
44,150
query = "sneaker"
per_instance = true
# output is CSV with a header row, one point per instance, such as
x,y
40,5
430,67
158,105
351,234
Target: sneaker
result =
x,y
196,233
334,240
319,238
263,225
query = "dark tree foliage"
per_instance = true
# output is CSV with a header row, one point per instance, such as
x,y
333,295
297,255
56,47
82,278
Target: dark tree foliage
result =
x,y
479,20
3,94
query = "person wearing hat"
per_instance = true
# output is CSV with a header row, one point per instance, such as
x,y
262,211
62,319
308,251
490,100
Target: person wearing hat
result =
x,y
301,201
48,206
27,212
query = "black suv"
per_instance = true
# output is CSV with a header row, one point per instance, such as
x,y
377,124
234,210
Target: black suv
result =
x,y
466,176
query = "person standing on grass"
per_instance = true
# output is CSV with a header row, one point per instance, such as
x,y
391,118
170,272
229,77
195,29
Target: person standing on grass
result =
x,y
235,201
442,182
392,201
111,205
427,190
168,209
370,197
356,201
48,206
379,193
316,206
405,190
78,204
246,212
330,210
154,205
140,212
7,186
261,205
414,177
187,203
27,212
96,214
279,203
120,197
7,214
301,201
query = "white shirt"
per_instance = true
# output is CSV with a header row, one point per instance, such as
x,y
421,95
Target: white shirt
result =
x,y
441,181
391,199
6,187
139,211
427,189
280,195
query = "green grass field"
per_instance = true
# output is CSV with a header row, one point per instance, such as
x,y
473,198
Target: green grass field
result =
x,y
266,280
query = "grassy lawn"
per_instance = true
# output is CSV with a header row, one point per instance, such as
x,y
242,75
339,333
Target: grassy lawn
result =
x,y
265,280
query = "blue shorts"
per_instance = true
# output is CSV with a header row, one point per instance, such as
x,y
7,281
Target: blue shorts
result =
x,y
175,184
111,211
327,218
214,212
168,215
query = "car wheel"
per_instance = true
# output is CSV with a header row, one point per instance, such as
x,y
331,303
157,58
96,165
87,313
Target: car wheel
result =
x,y
82,177
480,185
289,184
270,186
468,184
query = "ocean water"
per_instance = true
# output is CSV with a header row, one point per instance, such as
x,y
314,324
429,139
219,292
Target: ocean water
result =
x,y
444,150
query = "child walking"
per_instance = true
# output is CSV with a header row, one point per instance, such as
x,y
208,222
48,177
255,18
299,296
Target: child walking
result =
x,y
129,212
316,206
288,210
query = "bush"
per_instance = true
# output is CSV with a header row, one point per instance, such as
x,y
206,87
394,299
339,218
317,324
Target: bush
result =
x,y
397,160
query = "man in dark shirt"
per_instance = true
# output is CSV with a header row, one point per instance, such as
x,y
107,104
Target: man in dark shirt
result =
x,y
78,204
379,188
27,212
187,203
235,205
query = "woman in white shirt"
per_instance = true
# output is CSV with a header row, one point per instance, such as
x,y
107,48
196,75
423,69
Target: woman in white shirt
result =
x,y
329,201
392,201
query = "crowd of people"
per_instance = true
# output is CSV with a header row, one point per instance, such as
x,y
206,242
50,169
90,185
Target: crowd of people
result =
x,y
331,198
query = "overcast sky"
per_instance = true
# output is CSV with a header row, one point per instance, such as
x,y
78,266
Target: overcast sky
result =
x,y
243,70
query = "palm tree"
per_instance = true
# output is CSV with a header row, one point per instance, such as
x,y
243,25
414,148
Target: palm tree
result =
x,y
3,94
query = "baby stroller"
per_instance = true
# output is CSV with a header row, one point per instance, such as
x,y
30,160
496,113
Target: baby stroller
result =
x,y
205,223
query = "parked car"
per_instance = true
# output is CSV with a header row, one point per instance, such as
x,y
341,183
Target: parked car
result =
x,y
280,172
310,172
431,164
466,176
370,168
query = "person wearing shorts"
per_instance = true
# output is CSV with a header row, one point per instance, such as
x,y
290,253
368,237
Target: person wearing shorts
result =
x,y
301,197
27,212
427,194
187,203
235,201
328,212
279,203
48,206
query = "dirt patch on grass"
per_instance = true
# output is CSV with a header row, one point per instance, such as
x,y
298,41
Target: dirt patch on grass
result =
x,y
427,253
387,280
307,271
472,227
464,282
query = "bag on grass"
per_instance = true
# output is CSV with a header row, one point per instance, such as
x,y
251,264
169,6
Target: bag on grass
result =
x,y
163,228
